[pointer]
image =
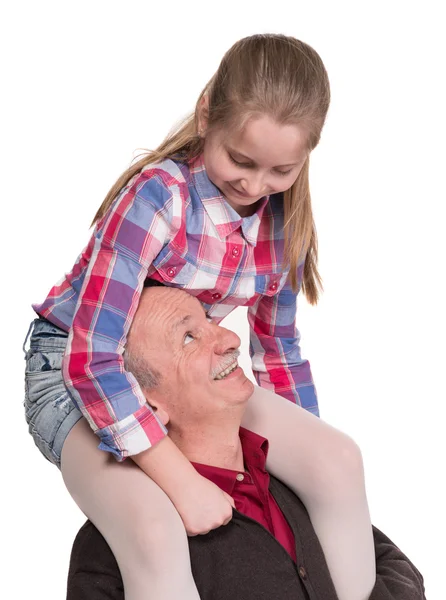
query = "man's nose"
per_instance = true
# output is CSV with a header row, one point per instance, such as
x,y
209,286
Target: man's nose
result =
x,y
226,341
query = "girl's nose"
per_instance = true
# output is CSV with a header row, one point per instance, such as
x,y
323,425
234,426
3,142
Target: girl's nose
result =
x,y
253,186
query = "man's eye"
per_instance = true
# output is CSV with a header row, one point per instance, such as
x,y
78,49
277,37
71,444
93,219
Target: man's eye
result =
x,y
209,319
188,338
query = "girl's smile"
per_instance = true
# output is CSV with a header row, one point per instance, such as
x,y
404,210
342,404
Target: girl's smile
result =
x,y
264,158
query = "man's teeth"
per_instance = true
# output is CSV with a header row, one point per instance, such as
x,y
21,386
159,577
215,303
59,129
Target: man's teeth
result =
x,y
227,371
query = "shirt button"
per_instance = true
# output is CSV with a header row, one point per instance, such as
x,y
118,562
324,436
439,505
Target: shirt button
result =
x,y
171,271
216,296
273,287
240,477
302,572
235,252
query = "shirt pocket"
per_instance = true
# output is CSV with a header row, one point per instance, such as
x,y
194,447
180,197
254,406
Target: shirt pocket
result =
x,y
175,270
269,285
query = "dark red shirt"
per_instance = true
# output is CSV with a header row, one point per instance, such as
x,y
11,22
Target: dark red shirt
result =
x,y
250,489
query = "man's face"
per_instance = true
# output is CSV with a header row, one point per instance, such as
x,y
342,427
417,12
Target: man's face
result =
x,y
196,359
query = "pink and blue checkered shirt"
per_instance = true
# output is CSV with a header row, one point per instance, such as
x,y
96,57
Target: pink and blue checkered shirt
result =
x,y
171,223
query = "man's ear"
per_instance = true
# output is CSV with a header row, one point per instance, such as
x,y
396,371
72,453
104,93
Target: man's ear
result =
x,y
158,409
162,415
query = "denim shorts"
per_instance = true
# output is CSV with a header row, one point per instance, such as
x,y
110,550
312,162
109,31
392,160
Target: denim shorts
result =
x,y
49,409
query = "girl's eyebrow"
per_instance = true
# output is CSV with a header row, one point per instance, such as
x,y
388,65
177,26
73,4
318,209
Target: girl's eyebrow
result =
x,y
232,151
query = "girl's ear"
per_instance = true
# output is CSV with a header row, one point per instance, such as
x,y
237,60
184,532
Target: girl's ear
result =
x,y
203,115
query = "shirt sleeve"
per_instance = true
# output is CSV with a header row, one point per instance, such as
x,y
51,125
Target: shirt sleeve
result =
x,y
275,352
396,577
126,242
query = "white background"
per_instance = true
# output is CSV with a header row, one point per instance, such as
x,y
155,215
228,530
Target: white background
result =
x,y
85,84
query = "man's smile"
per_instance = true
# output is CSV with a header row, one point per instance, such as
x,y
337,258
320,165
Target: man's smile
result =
x,y
227,371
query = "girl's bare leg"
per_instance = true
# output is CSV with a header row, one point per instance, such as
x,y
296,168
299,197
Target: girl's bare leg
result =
x,y
323,466
139,522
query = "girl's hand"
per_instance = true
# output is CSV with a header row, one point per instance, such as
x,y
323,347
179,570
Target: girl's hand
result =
x,y
200,503
203,506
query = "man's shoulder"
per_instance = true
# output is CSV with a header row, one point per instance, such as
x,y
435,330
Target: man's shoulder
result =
x,y
93,571
90,547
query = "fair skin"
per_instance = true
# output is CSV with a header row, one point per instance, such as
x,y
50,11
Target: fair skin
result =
x,y
202,392
198,351
264,158
270,157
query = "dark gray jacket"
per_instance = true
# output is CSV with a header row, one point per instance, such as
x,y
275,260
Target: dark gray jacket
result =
x,y
243,561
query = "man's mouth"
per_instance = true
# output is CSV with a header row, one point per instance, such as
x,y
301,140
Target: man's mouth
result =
x,y
232,367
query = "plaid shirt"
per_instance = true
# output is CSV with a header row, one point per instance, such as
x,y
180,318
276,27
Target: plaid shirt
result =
x,y
171,223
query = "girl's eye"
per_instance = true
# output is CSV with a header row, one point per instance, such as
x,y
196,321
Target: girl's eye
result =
x,y
239,164
249,166
188,338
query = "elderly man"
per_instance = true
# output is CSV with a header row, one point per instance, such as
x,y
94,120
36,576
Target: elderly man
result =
x,y
269,549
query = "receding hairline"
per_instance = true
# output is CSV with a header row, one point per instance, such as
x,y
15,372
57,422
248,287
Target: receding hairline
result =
x,y
177,321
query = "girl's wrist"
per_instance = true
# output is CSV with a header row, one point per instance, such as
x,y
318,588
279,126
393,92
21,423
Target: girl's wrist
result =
x,y
167,466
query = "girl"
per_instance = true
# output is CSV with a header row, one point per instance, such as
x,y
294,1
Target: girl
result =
x,y
221,209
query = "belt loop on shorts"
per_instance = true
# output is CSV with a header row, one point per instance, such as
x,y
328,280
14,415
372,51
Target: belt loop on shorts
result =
x,y
25,352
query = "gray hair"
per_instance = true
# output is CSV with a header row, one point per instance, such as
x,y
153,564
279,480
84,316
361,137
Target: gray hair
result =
x,y
147,377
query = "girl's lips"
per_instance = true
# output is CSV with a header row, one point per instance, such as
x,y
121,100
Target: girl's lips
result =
x,y
242,194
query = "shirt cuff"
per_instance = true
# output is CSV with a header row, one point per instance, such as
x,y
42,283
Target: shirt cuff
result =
x,y
132,435
302,395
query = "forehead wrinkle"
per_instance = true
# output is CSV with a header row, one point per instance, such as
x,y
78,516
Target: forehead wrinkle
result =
x,y
169,306
179,323
155,310
183,322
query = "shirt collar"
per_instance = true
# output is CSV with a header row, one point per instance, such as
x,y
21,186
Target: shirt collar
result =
x,y
225,219
255,452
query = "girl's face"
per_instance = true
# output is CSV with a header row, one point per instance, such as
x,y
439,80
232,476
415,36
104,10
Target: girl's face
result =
x,y
264,158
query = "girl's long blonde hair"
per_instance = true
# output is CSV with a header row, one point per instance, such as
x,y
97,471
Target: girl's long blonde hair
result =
x,y
270,74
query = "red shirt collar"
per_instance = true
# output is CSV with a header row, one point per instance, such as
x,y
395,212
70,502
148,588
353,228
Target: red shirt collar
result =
x,y
255,452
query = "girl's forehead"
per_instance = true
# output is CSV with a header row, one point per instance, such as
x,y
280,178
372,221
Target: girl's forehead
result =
x,y
263,139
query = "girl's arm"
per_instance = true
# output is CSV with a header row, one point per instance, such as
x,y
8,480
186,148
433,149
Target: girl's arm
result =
x,y
276,359
320,464
123,247
201,504
97,301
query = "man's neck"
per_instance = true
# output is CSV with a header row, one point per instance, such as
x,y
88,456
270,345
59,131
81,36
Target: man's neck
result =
x,y
215,445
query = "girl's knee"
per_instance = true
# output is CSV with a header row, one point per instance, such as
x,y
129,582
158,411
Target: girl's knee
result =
x,y
350,458
341,469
